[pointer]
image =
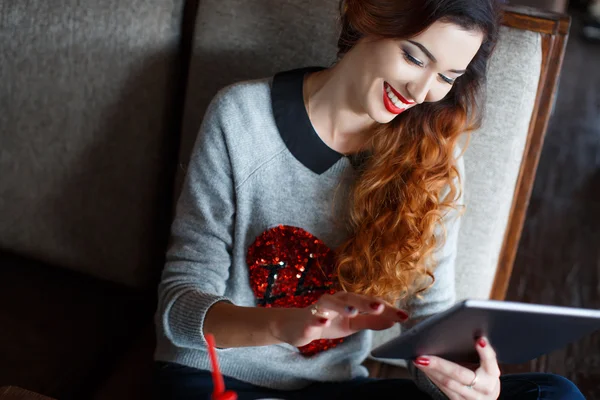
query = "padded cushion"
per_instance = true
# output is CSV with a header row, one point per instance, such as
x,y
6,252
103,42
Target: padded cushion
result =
x,y
62,332
86,127
493,159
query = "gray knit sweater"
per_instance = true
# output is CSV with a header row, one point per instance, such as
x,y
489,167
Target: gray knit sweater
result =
x,y
258,171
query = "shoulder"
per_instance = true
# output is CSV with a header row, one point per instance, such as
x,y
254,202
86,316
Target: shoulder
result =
x,y
243,112
243,100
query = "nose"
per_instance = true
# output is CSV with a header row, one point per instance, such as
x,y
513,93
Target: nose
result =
x,y
419,89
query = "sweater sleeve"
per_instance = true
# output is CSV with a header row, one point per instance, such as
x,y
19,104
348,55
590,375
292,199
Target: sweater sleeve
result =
x,y
199,255
442,295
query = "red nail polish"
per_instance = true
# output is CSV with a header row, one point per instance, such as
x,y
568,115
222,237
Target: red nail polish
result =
x,y
422,361
375,306
481,342
323,321
402,315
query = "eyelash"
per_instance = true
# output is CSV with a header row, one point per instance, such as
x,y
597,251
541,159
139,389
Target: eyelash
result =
x,y
447,80
411,59
418,63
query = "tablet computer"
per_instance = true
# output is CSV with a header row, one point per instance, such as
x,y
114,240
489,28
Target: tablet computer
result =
x,y
518,332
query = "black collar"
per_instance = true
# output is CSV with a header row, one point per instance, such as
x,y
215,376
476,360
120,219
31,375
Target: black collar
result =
x,y
293,123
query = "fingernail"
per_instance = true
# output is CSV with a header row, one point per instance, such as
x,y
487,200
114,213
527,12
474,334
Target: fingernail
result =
x,y
402,315
375,306
350,310
323,321
481,342
422,361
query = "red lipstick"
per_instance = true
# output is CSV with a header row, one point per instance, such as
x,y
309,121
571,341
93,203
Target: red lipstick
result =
x,y
390,106
398,95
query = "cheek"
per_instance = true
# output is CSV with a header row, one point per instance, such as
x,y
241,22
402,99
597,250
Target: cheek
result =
x,y
391,66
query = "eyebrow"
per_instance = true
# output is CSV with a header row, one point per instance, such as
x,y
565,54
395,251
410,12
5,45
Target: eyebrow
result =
x,y
432,57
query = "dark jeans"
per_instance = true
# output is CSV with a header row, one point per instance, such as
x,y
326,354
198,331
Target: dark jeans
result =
x,y
177,382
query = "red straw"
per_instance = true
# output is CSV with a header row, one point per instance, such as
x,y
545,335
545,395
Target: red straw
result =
x,y
219,384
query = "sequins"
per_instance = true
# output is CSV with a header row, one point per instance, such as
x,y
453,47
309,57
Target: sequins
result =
x,y
289,267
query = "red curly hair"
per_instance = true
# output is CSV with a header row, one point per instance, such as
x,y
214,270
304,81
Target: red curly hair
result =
x,y
397,201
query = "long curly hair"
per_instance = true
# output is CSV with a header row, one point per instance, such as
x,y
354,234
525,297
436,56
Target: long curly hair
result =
x,y
408,179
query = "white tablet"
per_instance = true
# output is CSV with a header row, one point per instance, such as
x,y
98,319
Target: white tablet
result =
x,y
519,332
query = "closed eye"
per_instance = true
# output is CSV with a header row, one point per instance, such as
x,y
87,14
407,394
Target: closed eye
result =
x,y
419,63
412,60
447,80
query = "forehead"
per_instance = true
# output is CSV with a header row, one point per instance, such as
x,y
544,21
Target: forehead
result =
x,y
453,46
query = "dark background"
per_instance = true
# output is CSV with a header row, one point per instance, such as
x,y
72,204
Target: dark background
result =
x,y
558,261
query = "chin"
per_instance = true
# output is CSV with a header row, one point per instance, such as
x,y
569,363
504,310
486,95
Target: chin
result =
x,y
381,116
377,110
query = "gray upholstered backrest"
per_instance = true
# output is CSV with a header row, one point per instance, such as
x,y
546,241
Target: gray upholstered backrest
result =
x,y
238,40
87,114
493,159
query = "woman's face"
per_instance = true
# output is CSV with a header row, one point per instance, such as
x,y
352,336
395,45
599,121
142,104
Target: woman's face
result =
x,y
396,75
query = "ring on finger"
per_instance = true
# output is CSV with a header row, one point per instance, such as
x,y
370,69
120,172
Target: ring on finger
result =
x,y
314,310
470,386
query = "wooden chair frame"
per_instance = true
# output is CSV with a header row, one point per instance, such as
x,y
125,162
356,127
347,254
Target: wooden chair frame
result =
x,y
554,29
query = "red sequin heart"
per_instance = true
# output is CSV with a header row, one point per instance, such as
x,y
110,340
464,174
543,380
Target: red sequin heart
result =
x,y
290,267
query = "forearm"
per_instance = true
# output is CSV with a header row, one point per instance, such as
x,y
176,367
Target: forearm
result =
x,y
235,326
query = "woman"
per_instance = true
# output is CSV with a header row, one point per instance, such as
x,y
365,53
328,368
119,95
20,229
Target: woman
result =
x,y
317,200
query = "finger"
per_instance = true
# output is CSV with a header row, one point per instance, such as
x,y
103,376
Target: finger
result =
x,y
328,304
487,355
449,389
315,322
395,314
459,380
318,322
374,305
439,382
312,329
373,322
364,304
445,369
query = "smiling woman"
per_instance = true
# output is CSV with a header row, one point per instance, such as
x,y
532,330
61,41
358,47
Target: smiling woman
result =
x,y
426,61
291,279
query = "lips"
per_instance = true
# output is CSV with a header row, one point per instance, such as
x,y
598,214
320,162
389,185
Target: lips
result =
x,y
389,104
398,95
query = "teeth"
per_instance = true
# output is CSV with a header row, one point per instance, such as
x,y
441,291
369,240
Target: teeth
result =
x,y
397,102
394,98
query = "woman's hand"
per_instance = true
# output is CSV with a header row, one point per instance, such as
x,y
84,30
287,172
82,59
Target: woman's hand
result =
x,y
335,316
455,380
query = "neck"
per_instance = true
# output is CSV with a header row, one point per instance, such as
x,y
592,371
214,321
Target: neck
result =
x,y
334,109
